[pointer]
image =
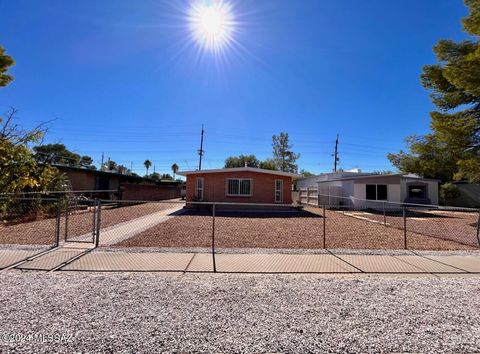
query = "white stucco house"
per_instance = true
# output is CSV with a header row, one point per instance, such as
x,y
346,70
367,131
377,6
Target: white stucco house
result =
x,y
356,188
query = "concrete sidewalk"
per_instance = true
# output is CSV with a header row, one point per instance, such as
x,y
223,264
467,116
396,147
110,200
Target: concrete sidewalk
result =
x,y
102,260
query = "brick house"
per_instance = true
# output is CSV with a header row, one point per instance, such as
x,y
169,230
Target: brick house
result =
x,y
240,185
120,186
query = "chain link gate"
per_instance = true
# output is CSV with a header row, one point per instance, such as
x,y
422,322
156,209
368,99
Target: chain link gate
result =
x,y
81,220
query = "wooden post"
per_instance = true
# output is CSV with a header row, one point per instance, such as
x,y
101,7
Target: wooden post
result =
x,y
404,228
308,195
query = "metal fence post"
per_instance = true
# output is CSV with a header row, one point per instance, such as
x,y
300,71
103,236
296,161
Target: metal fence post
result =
x,y
404,228
308,195
213,239
57,223
478,228
67,210
324,226
98,223
384,215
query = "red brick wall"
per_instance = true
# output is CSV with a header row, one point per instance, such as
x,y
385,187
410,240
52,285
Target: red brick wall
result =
x,y
130,191
263,187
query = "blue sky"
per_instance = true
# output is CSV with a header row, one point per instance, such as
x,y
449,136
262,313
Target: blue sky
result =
x,y
124,78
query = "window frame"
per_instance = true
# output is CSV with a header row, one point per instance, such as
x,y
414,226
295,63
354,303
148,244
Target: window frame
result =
x,y
197,189
280,190
239,179
376,191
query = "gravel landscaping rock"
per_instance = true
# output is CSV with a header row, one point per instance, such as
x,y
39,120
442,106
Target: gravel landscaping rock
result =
x,y
239,313
79,223
299,230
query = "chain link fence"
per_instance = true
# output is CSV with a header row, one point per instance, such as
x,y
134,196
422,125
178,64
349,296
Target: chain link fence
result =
x,y
31,220
359,223
181,226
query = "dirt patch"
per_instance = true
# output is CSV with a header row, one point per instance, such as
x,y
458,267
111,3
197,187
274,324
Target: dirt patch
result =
x,y
295,231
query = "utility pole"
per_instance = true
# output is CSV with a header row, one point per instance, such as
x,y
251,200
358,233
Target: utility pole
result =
x,y
153,168
201,152
336,159
101,166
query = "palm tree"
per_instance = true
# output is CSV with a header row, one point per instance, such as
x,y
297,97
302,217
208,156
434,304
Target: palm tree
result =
x,y
174,170
147,164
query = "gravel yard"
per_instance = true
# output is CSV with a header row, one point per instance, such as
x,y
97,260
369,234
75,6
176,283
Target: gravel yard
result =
x,y
79,223
240,313
459,226
298,230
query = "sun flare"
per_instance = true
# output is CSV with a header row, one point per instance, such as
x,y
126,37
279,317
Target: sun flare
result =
x,y
212,24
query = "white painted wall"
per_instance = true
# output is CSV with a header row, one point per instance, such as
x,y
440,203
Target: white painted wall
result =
x,y
393,193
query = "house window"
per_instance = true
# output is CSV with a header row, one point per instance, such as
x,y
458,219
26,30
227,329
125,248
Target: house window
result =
x,y
417,192
199,183
239,187
376,192
278,191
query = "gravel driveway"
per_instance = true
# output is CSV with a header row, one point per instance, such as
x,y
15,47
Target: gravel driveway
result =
x,y
240,313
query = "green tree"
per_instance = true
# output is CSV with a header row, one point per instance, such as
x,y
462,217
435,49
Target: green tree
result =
x,y
111,166
174,169
166,177
87,162
155,176
448,191
306,173
6,62
452,149
20,170
56,154
241,160
283,156
123,170
268,164
147,165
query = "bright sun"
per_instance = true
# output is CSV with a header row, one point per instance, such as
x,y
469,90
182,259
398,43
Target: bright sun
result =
x,y
211,24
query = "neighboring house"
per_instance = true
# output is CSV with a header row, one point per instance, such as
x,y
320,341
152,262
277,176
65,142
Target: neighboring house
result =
x,y
355,188
311,182
240,185
121,186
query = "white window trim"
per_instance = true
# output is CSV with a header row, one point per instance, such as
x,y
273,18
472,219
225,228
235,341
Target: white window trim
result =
x,y
197,189
281,190
238,179
376,191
